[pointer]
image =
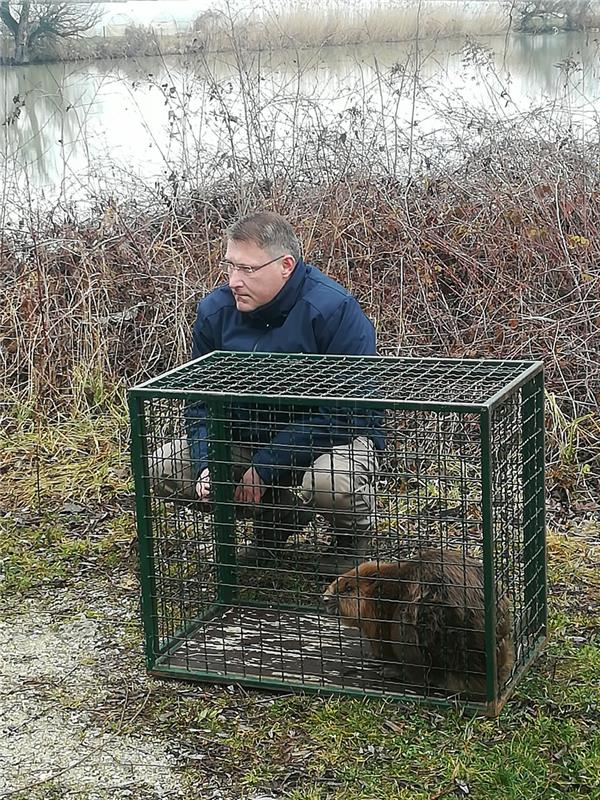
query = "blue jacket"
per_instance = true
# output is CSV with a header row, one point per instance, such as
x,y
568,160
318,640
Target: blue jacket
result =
x,y
311,314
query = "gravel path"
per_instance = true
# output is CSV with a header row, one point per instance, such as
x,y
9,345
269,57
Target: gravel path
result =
x,y
58,668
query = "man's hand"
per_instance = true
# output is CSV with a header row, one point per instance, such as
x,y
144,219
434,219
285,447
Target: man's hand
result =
x,y
250,489
203,485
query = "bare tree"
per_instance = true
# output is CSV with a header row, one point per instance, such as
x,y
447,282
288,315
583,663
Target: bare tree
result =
x,y
32,24
539,16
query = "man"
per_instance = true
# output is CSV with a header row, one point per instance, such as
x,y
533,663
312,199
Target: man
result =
x,y
274,302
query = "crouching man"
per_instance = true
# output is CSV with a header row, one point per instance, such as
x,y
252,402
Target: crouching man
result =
x,y
275,302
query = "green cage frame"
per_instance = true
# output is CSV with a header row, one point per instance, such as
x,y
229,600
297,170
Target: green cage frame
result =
x,y
495,381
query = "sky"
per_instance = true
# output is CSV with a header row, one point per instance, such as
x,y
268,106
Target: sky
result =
x,y
178,13
145,12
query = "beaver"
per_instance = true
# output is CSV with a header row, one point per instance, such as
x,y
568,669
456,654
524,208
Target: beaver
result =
x,y
424,619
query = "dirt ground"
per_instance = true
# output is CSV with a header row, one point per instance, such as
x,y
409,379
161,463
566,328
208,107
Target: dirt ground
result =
x,y
60,671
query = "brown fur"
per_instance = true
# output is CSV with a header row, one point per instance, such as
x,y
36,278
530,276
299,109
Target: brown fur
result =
x,y
424,619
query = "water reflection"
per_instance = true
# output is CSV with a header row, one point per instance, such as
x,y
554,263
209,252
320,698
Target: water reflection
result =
x,y
75,128
75,121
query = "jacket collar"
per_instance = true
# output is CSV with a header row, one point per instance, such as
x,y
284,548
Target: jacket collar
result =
x,y
275,311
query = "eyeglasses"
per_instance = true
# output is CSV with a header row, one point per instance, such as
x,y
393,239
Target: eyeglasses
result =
x,y
229,267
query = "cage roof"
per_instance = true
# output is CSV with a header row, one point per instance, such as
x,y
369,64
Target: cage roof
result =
x,y
444,382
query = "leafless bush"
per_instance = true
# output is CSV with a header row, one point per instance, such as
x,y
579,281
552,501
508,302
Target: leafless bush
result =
x,y
539,16
498,258
480,239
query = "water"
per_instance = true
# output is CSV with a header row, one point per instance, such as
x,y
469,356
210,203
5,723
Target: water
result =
x,y
70,130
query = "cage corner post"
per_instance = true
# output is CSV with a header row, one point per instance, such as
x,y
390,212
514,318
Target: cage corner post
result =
x,y
534,523
220,468
493,705
139,464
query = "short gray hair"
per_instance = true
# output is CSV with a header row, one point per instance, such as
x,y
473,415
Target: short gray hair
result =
x,y
268,230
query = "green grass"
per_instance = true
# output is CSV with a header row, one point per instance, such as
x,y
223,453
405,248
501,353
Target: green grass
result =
x,y
544,746
545,743
54,548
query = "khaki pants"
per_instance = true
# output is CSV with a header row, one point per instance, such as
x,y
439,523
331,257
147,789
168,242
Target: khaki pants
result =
x,y
339,485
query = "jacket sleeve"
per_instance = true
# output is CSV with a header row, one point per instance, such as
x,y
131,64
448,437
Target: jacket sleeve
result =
x,y
195,413
346,332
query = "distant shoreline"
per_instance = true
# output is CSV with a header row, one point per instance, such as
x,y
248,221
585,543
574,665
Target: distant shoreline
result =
x,y
119,51
300,28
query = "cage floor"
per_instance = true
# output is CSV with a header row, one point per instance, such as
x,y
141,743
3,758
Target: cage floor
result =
x,y
285,647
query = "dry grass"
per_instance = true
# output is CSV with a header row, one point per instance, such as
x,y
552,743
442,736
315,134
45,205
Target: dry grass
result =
x,y
479,263
80,454
338,24
301,24
292,25
480,239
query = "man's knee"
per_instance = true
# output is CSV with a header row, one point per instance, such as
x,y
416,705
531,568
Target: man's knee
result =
x,y
343,479
327,488
171,473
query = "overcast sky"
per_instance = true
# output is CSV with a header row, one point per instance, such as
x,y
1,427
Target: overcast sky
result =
x,y
146,11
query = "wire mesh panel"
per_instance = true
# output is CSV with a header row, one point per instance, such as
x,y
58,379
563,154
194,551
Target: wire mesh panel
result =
x,y
362,525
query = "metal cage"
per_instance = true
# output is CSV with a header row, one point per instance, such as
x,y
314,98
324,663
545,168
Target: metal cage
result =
x,y
443,597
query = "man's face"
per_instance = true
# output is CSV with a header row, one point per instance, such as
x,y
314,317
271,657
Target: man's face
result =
x,y
251,291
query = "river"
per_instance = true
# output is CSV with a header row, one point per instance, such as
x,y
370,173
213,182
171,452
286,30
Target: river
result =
x,y
73,129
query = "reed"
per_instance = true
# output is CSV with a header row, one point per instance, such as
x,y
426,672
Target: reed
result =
x,y
305,25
